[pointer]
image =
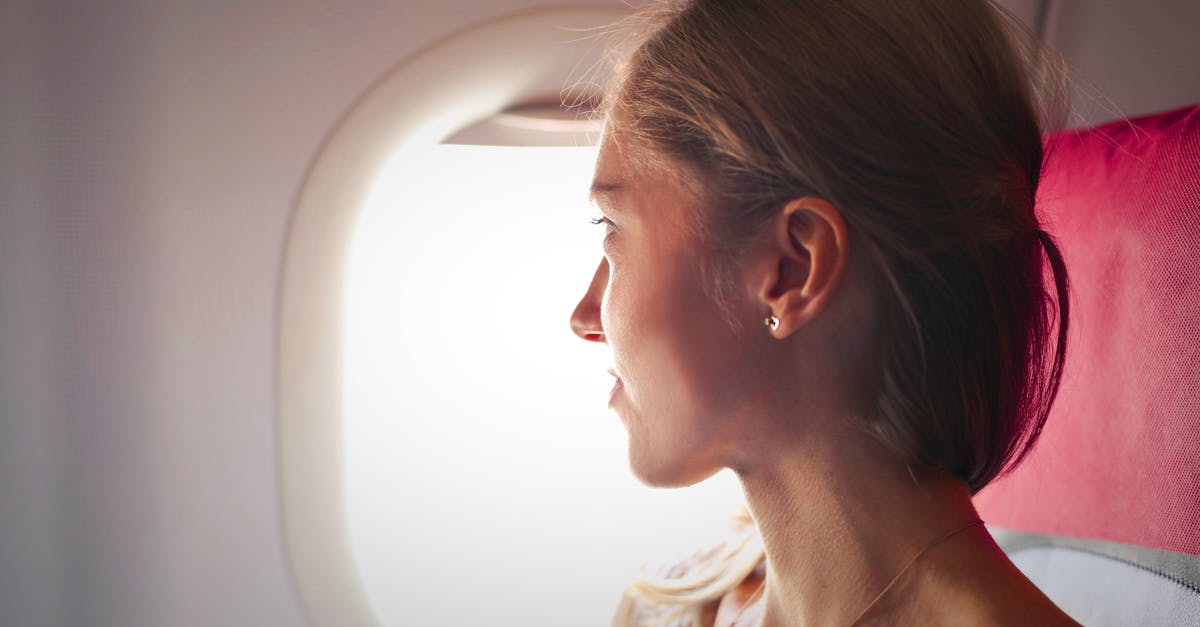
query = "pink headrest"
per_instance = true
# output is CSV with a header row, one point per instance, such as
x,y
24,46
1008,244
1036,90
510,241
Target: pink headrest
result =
x,y
1119,459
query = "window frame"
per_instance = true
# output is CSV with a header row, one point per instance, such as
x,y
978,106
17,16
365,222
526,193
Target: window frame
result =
x,y
467,76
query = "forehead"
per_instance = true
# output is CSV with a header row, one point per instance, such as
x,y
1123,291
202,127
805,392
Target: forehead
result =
x,y
630,175
623,150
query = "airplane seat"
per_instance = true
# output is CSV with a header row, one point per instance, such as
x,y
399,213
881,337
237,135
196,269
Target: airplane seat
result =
x,y
1104,515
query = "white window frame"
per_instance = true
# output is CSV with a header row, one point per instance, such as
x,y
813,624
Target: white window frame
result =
x,y
462,78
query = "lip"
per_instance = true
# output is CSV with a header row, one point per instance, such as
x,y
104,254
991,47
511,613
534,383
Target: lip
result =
x,y
617,387
613,394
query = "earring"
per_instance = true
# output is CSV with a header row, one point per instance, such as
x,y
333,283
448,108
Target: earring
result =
x,y
772,322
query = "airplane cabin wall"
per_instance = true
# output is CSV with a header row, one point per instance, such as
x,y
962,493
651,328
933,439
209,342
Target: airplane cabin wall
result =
x,y
150,154
1126,58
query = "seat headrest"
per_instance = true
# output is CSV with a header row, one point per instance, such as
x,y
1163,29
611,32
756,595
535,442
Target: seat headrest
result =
x,y
1119,458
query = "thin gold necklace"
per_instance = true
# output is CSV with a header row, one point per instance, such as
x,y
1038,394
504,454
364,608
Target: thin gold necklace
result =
x,y
882,593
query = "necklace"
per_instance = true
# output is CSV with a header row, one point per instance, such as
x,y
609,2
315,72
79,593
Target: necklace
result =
x,y
914,558
882,593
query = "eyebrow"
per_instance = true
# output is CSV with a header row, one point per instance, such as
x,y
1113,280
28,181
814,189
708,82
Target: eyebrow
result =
x,y
601,188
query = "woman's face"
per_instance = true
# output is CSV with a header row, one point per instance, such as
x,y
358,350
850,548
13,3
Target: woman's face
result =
x,y
677,361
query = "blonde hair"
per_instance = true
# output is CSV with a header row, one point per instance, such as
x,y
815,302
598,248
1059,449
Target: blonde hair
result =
x,y
919,122
674,595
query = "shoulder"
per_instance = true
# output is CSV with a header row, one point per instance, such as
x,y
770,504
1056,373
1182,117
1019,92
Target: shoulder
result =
x,y
986,589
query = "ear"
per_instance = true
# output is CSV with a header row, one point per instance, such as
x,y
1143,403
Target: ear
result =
x,y
809,245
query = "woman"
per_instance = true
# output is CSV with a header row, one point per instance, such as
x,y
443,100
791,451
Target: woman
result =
x,y
823,270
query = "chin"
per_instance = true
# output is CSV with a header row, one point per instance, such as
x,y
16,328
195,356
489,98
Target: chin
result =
x,y
658,469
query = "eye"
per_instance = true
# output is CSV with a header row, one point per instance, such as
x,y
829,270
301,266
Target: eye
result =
x,y
603,220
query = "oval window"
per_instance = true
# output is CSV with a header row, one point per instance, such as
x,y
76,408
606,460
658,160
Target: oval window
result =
x,y
446,453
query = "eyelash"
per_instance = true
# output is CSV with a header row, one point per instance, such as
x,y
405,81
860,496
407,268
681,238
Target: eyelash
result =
x,y
602,220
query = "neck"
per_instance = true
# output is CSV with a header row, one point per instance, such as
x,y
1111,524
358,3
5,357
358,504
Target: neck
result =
x,y
839,522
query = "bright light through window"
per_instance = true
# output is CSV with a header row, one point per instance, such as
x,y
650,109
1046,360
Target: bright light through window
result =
x,y
486,480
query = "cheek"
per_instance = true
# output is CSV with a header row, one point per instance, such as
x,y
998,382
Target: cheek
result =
x,y
631,314
667,334
706,355
635,313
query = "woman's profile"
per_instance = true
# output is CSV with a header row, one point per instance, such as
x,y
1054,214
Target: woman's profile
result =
x,y
823,269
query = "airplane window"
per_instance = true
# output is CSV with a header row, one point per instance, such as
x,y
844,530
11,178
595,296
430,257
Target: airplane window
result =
x,y
484,476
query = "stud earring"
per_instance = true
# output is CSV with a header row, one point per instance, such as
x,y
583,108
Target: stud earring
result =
x,y
772,322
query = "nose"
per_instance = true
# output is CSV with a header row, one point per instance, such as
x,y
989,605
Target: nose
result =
x,y
585,320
